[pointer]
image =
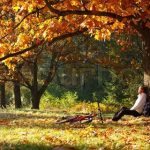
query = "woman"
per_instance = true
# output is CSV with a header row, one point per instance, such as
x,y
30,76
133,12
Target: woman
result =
x,y
137,108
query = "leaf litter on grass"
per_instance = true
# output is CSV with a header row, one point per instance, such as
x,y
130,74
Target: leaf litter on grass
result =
x,y
129,133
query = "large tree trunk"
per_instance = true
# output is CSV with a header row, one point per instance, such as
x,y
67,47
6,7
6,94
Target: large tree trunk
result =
x,y
35,100
146,57
147,78
3,98
17,95
35,104
34,90
146,67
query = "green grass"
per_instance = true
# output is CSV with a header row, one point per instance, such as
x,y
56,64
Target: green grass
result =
x,y
37,130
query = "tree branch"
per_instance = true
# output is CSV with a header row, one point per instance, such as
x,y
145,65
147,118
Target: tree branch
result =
x,y
86,12
18,53
51,42
54,2
53,66
25,80
50,75
67,35
6,80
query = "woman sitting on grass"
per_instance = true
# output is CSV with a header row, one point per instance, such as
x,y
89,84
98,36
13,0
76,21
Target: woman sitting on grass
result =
x,y
137,108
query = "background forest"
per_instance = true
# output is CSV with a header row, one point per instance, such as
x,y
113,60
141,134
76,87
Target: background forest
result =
x,y
112,78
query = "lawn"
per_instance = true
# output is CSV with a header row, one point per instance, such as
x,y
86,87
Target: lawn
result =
x,y
37,130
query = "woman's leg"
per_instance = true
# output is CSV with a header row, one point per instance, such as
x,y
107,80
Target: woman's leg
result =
x,y
123,112
118,113
131,112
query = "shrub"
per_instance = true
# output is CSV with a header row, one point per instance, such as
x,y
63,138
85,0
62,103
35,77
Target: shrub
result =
x,y
68,99
58,97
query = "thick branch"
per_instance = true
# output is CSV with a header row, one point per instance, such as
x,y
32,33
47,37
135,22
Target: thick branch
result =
x,y
51,42
61,37
86,12
50,75
18,53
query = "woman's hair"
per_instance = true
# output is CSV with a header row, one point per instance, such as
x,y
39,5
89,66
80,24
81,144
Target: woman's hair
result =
x,y
146,91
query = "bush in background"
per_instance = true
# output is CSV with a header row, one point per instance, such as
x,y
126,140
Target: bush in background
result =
x,y
58,97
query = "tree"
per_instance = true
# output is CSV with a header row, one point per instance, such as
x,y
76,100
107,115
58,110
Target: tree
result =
x,y
3,74
11,75
28,75
17,86
17,95
32,82
50,55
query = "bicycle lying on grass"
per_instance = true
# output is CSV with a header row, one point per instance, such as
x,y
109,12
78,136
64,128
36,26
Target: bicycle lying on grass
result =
x,y
77,118
81,118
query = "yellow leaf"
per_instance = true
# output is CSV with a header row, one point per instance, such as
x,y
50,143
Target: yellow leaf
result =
x,y
60,19
32,31
30,9
16,8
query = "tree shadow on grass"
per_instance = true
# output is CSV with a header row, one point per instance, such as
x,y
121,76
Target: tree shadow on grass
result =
x,y
33,146
38,114
7,115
